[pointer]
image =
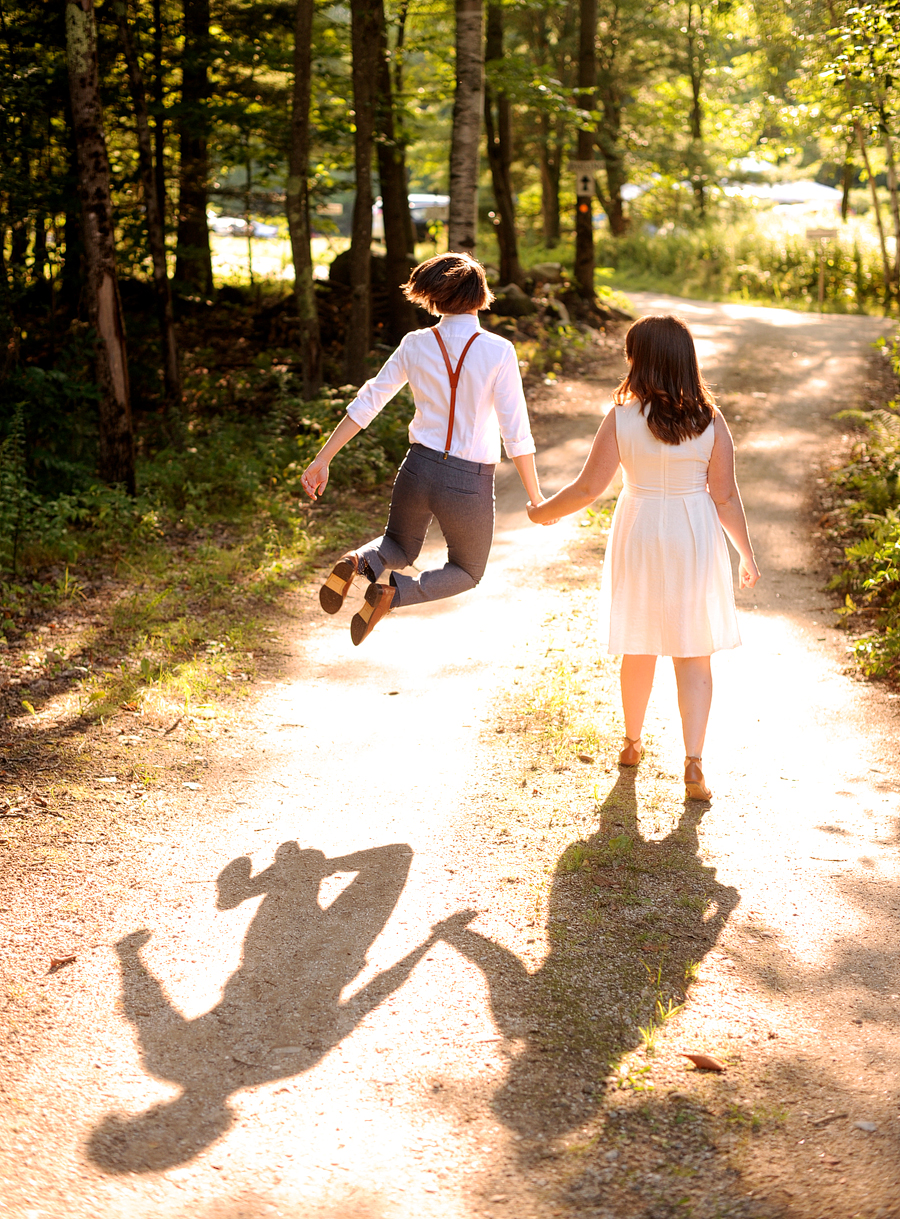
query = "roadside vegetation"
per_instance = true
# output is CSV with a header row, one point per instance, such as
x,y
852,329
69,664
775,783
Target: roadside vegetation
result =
x,y
863,515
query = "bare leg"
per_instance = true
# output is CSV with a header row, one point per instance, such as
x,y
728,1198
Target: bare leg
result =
x,y
694,679
636,680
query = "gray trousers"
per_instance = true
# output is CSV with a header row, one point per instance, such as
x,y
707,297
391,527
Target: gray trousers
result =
x,y
461,495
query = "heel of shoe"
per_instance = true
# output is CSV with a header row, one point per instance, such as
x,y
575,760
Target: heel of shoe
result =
x,y
632,753
334,591
694,784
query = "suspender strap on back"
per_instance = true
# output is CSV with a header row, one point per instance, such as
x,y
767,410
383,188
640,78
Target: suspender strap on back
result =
x,y
453,374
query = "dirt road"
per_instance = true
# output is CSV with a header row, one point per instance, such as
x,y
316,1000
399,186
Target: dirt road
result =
x,y
392,958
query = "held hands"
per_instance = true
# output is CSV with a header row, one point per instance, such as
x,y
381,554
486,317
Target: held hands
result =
x,y
531,508
749,573
315,478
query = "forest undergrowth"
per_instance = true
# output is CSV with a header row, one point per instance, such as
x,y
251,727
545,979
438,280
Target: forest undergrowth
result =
x,y
861,514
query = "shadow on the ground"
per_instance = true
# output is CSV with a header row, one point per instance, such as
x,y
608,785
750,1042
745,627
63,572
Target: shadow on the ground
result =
x,y
280,1012
629,918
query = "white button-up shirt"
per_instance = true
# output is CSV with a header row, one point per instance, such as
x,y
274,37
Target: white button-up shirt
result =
x,y
490,401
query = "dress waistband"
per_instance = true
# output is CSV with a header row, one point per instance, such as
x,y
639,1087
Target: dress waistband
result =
x,y
456,463
642,493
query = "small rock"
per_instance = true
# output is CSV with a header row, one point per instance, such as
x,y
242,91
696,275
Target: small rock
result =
x,y
869,1127
547,272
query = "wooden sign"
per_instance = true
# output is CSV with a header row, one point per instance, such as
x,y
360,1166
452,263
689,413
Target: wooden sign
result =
x,y
821,234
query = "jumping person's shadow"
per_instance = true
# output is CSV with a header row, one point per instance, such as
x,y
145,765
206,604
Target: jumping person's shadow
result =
x,y
279,1014
629,921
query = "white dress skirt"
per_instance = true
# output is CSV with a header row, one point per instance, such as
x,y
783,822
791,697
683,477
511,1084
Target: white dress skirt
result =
x,y
666,587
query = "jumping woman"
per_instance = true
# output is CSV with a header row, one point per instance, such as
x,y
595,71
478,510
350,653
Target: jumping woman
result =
x,y
666,587
468,393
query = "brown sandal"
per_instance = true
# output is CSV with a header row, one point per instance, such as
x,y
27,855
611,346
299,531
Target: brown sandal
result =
x,y
334,591
694,784
632,753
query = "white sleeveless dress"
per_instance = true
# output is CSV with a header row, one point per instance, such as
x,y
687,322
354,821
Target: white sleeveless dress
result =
x,y
666,587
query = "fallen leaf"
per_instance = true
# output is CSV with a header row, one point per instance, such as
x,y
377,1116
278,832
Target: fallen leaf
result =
x,y
130,707
58,962
703,1062
586,757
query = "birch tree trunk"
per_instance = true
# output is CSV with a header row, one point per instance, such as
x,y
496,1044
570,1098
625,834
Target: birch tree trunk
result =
x,y
365,42
298,202
585,99
876,208
155,230
193,262
467,108
102,289
892,191
499,139
400,255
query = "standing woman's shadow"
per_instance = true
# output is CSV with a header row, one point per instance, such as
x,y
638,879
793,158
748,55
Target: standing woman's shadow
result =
x,y
628,919
279,1014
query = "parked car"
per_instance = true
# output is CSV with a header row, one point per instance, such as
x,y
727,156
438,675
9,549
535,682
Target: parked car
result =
x,y
236,226
424,209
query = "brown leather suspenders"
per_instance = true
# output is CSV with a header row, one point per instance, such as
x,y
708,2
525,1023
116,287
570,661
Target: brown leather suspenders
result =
x,y
454,380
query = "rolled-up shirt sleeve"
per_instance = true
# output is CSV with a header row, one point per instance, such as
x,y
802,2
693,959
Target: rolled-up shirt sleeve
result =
x,y
512,413
378,390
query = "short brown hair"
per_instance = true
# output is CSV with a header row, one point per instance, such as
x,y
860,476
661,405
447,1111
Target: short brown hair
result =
x,y
666,379
449,283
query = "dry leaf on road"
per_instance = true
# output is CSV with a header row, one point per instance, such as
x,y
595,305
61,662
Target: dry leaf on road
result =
x,y
703,1062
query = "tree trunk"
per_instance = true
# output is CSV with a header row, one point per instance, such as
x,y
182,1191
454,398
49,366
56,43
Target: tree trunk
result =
x,y
462,229
847,181
587,84
159,125
104,305
876,207
298,202
365,36
892,189
499,151
400,255
696,166
193,261
398,93
39,248
609,141
551,154
156,236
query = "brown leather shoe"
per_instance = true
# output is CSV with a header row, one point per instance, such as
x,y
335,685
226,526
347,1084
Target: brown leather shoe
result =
x,y
694,784
379,598
334,591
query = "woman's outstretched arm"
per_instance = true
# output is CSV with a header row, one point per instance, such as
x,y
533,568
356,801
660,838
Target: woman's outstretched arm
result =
x,y
593,480
315,476
724,490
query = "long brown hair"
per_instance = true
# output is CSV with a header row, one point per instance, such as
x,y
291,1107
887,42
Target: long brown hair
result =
x,y
665,378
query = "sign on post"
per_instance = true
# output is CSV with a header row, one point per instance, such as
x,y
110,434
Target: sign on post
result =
x,y
821,235
584,175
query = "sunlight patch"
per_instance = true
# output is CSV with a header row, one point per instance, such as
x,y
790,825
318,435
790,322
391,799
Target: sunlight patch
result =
x,y
332,887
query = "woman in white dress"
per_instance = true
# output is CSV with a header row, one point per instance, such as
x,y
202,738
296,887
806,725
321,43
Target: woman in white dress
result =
x,y
666,588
